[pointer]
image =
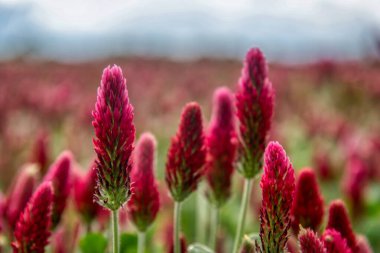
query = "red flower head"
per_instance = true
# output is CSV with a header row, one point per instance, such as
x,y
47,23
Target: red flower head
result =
x,y
310,243
339,220
40,152
145,200
113,144
186,156
334,242
20,193
307,208
59,174
254,102
33,227
221,146
355,182
84,190
363,245
277,184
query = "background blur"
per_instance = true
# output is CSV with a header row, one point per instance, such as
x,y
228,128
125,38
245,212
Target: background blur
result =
x,y
324,64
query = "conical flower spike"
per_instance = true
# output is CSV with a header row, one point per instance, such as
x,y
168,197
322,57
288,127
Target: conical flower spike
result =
x,y
254,103
114,137
221,146
186,155
307,209
339,220
277,184
59,174
145,202
334,242
33,227
310,243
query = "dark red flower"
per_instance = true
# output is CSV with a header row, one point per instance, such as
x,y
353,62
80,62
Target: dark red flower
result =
x,y
334,242
59,174
33,227
145,200
221,147
40,152
339,220
20,192
84,190
186,156
113,144
310,242
277,184
307,208
254,102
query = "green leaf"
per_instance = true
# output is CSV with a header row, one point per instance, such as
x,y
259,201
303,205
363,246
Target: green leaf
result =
x,y
128,243
93,243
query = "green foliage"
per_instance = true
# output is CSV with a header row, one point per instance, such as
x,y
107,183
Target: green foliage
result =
x,y
93,243
128,243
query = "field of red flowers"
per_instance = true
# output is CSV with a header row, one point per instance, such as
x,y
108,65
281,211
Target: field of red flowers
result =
x,y
322,195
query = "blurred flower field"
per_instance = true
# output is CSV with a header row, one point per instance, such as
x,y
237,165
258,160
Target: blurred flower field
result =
x,y
326,116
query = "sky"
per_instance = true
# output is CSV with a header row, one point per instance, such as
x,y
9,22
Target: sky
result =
x,y
287,30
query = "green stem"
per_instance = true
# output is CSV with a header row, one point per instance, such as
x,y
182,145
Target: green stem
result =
x,y
243,212
214,227
141,242
115,231
177,226
201,215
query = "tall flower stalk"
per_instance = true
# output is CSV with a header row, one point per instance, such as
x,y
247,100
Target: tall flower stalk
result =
x,y
184,166
221,149
254,103
113,144
145,202
277,185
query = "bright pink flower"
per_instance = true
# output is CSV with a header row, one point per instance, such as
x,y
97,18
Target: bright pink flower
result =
x,y
221,146
310,243
84,190
363,245
33,227
40,152
113,144
334,242
20,193
339,220
307,208
186,156
145,200
59,174
277,184
254,102
355,182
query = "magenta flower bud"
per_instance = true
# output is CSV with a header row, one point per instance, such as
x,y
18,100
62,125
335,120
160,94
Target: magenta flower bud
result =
x,y
186,156
310,242
355,182
334,242
308,208
33,227
40,152
277,184
20,193
221,147
339,220
254,102
84,190
145,199
113,144
363,245
59,174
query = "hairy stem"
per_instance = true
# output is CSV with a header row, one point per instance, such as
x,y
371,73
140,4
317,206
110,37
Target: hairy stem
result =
x,y
177,226
115,231
243,212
